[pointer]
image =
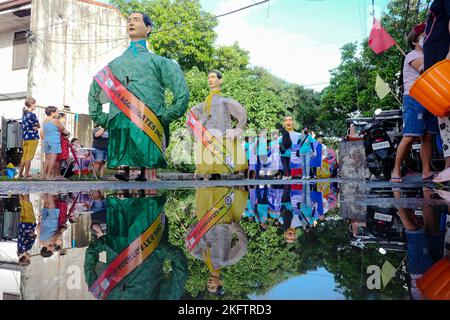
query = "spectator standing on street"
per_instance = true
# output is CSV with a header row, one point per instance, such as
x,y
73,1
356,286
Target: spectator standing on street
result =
x,y
53,128
64,140
417,121
436,47
30,136
100,144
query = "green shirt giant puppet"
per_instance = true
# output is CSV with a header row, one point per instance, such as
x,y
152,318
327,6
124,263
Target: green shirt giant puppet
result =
x,y
138,120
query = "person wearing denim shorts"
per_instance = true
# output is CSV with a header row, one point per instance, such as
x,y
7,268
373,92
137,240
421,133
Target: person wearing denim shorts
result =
x,y
52,129
100,144
417,121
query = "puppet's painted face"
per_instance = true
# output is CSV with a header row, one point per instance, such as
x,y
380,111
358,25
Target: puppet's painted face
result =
x,y
136,27
213,81
289,123
290,236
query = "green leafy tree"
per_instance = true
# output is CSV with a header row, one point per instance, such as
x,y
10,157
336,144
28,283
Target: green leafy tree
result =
x,y
352,84
230,58
191,44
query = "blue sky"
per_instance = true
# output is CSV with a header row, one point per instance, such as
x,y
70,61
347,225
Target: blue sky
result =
x,y
315,285
297,40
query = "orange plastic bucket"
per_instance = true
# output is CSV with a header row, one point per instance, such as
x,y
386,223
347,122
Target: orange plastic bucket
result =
x,y
432,89
435,283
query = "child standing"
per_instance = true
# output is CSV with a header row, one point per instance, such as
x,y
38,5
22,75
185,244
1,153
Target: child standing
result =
x,y
64,140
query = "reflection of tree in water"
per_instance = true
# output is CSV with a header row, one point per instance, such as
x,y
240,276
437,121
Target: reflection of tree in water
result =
x,y
270,261
328,246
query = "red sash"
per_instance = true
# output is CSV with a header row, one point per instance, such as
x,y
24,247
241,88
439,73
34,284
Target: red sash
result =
x,y
129,259
138,113
213,215
215,146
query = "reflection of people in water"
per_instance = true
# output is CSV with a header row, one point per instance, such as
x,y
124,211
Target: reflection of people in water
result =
x,y
27,228
224,243
290,220
275,198
98,216
309,210
130,218
262,207
425,240
249,211
49,228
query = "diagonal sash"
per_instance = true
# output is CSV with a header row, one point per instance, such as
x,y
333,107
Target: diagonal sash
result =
x,y
138,113
215,146
210,219
129,259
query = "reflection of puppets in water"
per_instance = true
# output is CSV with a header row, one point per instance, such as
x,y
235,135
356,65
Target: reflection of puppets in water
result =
x,y
213,238
127,220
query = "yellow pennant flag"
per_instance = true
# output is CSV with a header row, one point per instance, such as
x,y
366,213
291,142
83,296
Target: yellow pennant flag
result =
x,y
387,273
381,88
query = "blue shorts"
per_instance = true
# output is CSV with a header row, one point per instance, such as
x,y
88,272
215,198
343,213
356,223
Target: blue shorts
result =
x,y
52,147
100,155
417,120
424,250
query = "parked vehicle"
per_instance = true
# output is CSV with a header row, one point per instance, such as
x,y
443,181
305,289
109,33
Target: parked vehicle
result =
x,y
386,127
379,149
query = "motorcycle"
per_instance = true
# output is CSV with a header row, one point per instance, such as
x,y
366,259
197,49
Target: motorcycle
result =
x,y
379,149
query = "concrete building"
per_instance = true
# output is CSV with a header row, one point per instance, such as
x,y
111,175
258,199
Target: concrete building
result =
x,y
14,58
50,50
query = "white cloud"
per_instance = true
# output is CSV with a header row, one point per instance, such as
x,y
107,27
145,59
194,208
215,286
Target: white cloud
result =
x,y
288,54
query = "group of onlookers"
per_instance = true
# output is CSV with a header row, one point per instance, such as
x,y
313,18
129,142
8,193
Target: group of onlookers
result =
x,y
289,207
57,147
273,156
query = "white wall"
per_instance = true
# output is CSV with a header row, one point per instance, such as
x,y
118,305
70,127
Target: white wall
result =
x,y
12,80
56,278
9,282
8,251
11,109
74,41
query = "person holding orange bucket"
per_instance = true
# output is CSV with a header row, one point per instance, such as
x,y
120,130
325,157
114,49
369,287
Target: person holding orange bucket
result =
x,y
436,48
417,121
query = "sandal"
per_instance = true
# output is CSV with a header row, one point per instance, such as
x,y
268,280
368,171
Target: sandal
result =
x,y
443,176
430,177
443,194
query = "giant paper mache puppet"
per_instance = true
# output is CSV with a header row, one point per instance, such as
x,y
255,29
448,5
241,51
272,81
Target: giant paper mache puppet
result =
x,y
217,149
138,119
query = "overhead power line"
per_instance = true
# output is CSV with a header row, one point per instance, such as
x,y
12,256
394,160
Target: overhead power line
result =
x,y
154,32
213,17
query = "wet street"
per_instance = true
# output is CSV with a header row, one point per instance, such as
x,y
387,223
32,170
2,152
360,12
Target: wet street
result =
x,y
296,240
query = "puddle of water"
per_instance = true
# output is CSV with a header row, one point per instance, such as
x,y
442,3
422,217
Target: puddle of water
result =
x,y
301,241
